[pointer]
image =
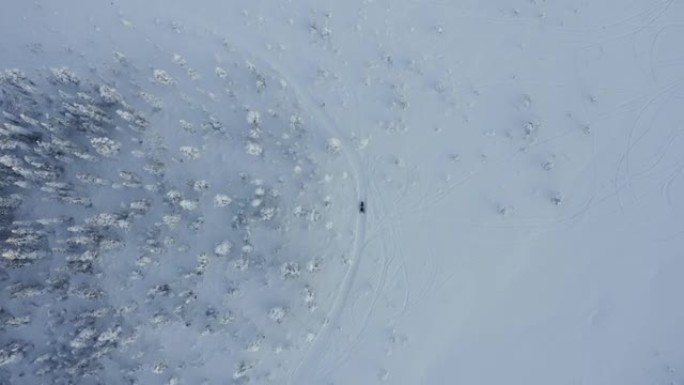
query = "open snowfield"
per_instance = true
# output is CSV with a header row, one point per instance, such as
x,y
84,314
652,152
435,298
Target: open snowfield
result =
x,y
180,190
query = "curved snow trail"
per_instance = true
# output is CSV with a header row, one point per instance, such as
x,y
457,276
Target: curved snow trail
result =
x,y
343,293
342,296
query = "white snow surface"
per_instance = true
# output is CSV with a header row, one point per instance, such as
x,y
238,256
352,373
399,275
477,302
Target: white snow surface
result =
x,y
181,191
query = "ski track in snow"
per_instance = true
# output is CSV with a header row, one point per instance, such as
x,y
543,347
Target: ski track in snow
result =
x,y
342,296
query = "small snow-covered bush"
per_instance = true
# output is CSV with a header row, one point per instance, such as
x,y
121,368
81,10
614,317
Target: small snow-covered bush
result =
x,y
224,248
290,270
222,200
334,145
277,314
253,118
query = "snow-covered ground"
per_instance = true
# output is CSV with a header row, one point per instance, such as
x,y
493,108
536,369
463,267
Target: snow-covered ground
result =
x,y
181,185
